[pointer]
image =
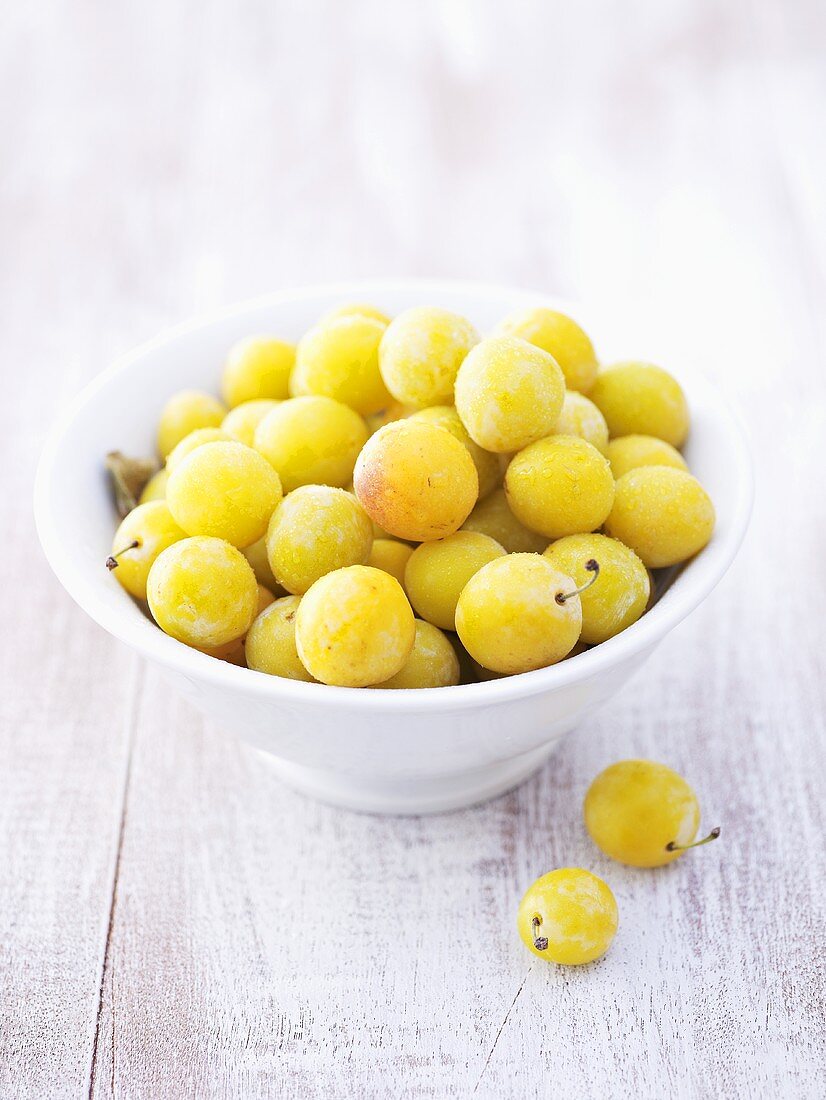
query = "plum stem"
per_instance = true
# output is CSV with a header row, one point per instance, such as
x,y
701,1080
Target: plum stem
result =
x,y
112,560
673,846
592,565
539,942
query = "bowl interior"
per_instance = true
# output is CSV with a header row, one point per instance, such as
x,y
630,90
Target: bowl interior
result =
x,y
119,411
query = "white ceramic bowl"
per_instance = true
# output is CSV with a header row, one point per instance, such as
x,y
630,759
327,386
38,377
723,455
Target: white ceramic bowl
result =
x,y
381,751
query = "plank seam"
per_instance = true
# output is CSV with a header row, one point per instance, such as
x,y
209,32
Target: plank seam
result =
x,y
501,1029
134,706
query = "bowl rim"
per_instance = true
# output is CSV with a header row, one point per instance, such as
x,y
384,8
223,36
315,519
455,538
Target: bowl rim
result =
x,y
687,592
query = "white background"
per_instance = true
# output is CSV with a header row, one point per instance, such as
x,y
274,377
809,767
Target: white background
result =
x,y
172,921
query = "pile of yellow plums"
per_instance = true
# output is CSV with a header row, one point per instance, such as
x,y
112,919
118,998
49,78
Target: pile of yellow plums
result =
x,y
400,503
638,812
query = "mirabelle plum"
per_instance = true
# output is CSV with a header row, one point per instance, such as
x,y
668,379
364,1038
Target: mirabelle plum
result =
x,y
339,358
226,490
265,598
311,441
492,516
257,367
663,514
519,613
256,555
394,411
508,393
438,571
416,480
432,662
390,555
234,652
568,916
202,591
354,627
420,353
629,452
183,413
487,464
581,417
641,399
642,813
193,440
155,488
314,530
240,423
560,486
561,337
270,645
618,596
140,538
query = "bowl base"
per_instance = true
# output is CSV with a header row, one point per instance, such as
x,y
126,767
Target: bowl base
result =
x,y
412,796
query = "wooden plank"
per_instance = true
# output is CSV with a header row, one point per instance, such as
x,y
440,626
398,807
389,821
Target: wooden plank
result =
x,y
68,691
62,768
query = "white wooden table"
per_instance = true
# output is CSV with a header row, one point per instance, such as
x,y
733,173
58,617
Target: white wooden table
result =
x,y
173,922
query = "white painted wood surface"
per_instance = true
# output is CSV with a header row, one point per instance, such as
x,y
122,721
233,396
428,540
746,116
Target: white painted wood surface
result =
x,y
172,921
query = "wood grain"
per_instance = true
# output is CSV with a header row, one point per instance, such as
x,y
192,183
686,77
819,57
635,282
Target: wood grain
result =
x,y
173,922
